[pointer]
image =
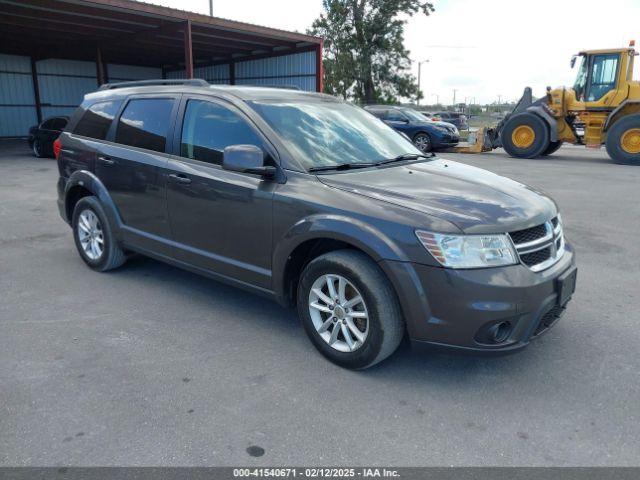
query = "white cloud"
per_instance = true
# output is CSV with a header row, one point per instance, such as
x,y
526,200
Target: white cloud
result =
x,y
504,45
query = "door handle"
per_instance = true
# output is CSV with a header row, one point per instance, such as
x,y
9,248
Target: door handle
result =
x,y
106,161
179,178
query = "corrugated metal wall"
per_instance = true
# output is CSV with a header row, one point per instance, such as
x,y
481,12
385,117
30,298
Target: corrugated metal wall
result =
x,y
124,73
17,100
63,84
298,69
216,74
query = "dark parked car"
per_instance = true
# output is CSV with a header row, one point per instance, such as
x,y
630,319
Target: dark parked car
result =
x,y
458,119
425,134
314,202
41,137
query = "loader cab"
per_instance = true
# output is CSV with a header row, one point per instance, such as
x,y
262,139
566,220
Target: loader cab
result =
x,y
597,76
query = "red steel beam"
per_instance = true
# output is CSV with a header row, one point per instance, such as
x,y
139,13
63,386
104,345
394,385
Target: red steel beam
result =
x,y
319,68
188,50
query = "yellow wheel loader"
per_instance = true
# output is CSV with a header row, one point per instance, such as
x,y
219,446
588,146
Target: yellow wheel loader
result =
x,y
602,108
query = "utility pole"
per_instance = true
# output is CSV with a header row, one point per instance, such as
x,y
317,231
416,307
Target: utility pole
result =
x,y
437,98
454,97
419,78
211,8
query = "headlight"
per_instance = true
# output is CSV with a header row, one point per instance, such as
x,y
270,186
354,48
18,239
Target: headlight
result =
x,y
469,251
441,129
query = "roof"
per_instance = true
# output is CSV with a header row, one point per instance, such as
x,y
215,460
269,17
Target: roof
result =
x,y
607,50
136,33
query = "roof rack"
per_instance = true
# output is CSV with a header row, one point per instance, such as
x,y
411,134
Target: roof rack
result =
x,y
196,82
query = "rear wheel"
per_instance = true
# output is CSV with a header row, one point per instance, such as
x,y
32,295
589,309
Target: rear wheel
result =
x,y
623,140
349,310
423,142
36,146
552,148
93,236
525,136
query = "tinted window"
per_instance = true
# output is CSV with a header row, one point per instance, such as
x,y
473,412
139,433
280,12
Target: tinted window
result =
x,y
59,123
395,116
377,113
208,128
97,119
48,124
144,123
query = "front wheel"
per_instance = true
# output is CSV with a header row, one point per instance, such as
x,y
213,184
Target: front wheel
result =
x,y
349,310
525,135
423,142
623,140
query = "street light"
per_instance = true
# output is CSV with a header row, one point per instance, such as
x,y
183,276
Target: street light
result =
x,y
419,77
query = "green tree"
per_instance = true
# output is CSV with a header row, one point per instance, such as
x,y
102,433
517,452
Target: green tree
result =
x,y
364,54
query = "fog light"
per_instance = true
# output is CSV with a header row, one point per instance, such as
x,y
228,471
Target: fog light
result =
x,y
500,332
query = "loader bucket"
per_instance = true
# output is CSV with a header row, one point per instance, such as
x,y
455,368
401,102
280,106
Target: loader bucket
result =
x,y
480,141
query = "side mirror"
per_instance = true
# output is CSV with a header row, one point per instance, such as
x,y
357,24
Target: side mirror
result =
x,y
246,159
573,61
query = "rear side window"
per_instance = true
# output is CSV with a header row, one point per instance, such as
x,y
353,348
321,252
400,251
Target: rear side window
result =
x,y
377,113
48,124
144,123
97,119
59,123
209,128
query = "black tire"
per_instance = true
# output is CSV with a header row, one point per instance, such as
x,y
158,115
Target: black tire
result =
x,y
112,255
540,141
552,148
385,321
615,147
36,147
422,141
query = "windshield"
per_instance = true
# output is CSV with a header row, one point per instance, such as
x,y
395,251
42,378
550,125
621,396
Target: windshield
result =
x,y
413,115
330,133
581,79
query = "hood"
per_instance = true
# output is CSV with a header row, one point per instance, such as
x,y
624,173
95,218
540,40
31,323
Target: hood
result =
x,y
475,200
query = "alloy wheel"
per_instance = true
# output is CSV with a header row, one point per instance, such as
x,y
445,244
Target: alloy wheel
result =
x,y
90,234
339,313
423,142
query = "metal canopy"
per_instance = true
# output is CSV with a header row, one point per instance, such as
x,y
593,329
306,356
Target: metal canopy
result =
x,y
137,33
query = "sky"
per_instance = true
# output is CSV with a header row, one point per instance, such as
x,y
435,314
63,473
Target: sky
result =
x,y
483,49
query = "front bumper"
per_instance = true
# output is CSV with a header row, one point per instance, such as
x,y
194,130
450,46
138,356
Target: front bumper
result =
x,y
455,309
446,140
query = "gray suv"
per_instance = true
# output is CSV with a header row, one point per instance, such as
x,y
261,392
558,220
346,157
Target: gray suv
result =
x,y
316,203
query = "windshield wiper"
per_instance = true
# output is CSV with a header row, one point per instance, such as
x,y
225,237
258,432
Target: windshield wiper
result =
x,y
406,156
341,166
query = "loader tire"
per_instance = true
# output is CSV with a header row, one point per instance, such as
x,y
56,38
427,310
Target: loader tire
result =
x,y
525,135
552,148
623,141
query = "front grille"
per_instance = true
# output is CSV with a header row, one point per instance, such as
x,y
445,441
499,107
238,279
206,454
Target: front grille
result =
x,y
529,234
534,258
541,246
548,319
